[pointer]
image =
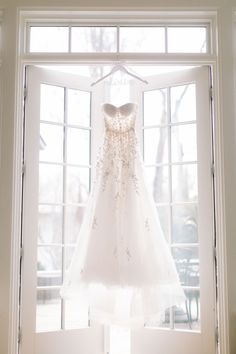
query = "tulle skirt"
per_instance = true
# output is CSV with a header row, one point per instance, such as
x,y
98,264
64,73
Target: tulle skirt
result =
x,y
122,267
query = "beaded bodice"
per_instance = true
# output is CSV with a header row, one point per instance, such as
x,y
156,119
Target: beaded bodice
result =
x,y
119,120
120,145
120,130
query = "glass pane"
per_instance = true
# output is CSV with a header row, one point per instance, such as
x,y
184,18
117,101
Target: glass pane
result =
x,y
184,183
74,218
183,143
49,39
183,103
187,264
50,183
157,182
52,103
76,313
50,224
51,143
78,107
49,278
155,145
77,184
142,39
184,223
155,107
69,252
48,310
49,258
163,213
165,321
78,146
187,316
93,39
187,39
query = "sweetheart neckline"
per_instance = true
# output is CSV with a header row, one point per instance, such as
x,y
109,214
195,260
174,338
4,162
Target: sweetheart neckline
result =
x,y
124,111
118,107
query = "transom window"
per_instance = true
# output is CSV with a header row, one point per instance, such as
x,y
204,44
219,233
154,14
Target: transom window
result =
x,y
179,38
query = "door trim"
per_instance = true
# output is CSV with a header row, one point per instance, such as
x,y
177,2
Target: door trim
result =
x,y
218,145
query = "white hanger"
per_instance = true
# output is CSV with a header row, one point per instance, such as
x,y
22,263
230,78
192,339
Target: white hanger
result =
x,y
119,67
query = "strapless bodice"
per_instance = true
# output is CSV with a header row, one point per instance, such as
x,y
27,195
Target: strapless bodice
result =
x,y
119,119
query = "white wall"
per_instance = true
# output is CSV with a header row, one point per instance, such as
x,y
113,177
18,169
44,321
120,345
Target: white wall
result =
x,y
225,10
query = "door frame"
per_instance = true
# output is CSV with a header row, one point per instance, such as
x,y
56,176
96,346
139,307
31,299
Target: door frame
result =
x,y
217,150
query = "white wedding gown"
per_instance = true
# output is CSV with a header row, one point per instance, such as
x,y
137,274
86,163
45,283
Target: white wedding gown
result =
x,y
122,266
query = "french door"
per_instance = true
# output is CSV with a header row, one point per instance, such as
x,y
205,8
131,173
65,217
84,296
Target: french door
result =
x,y
175,135
58,143
62,133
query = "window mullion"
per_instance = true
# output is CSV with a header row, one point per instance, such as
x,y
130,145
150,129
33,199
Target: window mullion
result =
x,y
166,39
63,304
118,40
69,40
170,187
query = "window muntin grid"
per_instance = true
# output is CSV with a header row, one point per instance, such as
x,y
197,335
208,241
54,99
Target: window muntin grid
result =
x,y
180,38
64,185
177,207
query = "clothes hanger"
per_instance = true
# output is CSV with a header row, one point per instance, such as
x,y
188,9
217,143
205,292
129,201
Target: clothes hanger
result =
x,y
119,67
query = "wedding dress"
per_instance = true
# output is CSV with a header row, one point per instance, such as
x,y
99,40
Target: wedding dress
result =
x,y
122,265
